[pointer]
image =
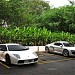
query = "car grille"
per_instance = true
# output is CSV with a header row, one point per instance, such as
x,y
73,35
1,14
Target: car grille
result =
x,y
27,61
21,61
73,52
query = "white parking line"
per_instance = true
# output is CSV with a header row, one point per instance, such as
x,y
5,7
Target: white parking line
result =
x,y
47,62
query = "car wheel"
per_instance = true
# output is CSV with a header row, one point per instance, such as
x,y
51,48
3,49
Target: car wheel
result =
x,y
47,49
7,58
66,53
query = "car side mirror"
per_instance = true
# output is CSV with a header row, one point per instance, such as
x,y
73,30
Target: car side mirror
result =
x,y
61,46
27,47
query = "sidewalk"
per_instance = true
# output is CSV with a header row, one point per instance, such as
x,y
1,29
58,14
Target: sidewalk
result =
x,y
37,48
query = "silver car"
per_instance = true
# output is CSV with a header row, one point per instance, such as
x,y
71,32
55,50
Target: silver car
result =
x,y
61,47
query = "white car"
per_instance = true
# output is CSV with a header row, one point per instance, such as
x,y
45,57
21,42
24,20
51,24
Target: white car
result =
x,y
17,54
61,47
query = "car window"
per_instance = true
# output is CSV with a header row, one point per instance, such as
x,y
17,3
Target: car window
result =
x,y
68,44
57,44
3,47
17,48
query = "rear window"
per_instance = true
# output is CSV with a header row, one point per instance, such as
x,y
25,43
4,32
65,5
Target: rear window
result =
x,y
68,44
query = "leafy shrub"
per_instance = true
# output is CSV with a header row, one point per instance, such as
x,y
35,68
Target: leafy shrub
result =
x,y
33,36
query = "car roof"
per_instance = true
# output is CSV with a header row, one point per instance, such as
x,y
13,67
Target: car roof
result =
x,y
61,42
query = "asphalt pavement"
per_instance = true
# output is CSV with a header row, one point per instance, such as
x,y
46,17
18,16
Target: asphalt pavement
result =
x,y
48,64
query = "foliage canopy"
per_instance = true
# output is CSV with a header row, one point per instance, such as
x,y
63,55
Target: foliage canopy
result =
x,y
34,21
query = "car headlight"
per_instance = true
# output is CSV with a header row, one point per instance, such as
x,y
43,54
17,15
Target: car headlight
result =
x,y
34,53
16,55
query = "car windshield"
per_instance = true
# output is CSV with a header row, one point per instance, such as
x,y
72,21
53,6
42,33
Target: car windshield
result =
x,y
68,44
17,48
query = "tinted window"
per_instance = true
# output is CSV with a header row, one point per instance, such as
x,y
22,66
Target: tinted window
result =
x,y
3,47
58,44
16,48
68,44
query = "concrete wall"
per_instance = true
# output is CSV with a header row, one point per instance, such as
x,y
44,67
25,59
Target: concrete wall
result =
x,y
37,48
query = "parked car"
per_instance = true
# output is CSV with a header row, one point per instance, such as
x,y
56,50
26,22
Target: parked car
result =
x,y
17,54
61,47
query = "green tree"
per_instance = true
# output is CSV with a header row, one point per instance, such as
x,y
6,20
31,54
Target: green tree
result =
x,y
22,12
59,19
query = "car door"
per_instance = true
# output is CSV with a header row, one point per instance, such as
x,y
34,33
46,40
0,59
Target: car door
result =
x,y
58,47
2,50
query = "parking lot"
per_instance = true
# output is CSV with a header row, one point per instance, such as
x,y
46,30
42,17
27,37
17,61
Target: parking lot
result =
x,y
48,64
45,58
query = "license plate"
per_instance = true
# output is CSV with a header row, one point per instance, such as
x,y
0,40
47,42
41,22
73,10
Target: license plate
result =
x,y
31,60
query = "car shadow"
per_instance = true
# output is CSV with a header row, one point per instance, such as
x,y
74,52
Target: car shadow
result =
x,y
61,55
24,65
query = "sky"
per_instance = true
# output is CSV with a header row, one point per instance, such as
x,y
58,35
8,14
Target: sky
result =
x,y
58,3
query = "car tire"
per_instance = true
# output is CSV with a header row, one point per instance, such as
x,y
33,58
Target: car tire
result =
x,y
7,58
47,49
66,53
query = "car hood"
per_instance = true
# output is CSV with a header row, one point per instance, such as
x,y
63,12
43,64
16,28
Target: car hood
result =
x,y
69,48
26,54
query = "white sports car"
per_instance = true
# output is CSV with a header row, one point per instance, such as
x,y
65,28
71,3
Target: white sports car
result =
x,y
17,54
61,47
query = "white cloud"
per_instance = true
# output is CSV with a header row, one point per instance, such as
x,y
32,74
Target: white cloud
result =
x,y
58,3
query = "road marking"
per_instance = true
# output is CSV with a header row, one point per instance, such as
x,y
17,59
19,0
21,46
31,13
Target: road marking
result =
x,y
4,65
42,54
46,62
52,69
46,54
